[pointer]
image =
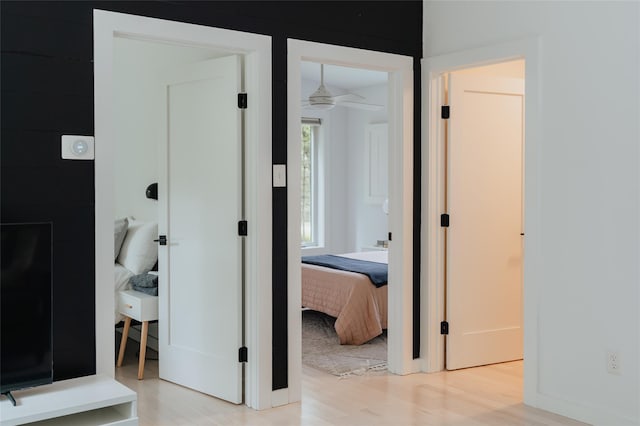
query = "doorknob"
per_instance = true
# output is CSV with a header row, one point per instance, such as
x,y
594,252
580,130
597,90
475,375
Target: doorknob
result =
x,y
162,240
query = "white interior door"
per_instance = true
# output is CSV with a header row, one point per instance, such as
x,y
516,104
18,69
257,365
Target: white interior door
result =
x,y
200,190
484,242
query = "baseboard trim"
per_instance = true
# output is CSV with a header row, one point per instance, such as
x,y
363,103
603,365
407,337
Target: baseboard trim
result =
x,y
588,414
280,397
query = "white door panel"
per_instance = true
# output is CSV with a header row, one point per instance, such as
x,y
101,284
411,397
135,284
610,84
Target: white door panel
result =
x,y
200,206
484,198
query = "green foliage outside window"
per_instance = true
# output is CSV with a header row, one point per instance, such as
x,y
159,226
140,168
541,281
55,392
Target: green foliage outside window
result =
x,y
307,188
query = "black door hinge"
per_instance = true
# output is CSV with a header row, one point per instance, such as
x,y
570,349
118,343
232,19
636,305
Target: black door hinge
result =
x,y
162,240
242,100
444,220
444,112
242,354
444,327
389,236
242,228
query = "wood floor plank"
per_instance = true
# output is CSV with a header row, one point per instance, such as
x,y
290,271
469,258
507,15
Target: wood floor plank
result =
x,y
482,396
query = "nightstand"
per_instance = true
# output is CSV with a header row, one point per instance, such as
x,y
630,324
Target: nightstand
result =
x,y
374,248
140,307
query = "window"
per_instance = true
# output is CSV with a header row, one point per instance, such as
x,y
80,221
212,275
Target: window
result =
x,y
310,229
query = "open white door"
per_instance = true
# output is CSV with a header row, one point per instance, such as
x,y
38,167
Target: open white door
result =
x,y
200,201
484,242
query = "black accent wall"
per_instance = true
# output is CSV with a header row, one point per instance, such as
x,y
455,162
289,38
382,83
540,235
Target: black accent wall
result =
x,y
47,91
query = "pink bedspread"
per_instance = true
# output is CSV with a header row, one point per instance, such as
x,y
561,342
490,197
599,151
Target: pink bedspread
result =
x,y
360,307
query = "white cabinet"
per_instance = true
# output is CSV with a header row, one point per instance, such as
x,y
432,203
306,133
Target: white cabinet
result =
x,y
87,401
140,307
137,305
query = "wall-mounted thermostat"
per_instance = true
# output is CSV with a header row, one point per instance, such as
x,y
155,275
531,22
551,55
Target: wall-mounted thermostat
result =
x,y
77,147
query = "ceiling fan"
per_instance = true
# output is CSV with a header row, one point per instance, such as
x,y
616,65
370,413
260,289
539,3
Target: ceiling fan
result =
x,y
322,99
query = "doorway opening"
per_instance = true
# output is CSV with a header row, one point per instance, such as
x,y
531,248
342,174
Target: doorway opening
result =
x,y
190,46
483,223
344,219
400,136
138,67
434,200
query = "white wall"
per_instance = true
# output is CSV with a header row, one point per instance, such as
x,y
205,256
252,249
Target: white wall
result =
x,y
367,220
336,155
511,69
137,66
333,155
589,189
350,222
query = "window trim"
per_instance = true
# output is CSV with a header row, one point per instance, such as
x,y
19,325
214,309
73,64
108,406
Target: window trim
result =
x,y
317,197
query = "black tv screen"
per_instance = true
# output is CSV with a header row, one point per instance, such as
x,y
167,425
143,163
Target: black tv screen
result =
x,y
26,356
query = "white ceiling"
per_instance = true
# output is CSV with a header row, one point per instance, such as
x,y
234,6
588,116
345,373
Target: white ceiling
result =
x,y
342,77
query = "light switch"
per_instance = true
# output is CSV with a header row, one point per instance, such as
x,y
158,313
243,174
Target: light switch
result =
x,y
279,175
76,147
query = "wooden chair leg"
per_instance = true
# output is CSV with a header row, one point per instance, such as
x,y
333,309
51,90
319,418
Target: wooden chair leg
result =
x,y
123,342
143,349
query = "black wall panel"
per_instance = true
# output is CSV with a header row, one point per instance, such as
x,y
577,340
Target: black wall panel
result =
x,y
47,90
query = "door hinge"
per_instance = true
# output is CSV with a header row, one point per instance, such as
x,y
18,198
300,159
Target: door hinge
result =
x,y
242,354
444,220
162,240
389,236
444,327
242,100
242,228
444,112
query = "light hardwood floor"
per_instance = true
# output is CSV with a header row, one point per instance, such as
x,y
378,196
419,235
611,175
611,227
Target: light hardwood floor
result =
x,y
490,395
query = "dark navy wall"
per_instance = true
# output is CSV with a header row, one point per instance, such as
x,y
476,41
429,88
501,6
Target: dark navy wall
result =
x,y
47,90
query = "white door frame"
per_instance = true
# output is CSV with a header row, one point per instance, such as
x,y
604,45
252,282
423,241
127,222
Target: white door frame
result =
x,y
400,69
257,53
432,299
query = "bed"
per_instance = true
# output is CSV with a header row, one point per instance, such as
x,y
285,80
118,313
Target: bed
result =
x,y
360,308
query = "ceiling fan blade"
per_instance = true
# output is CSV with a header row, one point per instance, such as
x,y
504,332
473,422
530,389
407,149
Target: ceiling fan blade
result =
x,y
348,97
361,105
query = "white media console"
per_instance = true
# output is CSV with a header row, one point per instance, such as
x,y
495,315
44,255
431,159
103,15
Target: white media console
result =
x,y
87,401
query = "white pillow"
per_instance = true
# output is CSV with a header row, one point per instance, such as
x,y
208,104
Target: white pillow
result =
x,y
139,252
119,231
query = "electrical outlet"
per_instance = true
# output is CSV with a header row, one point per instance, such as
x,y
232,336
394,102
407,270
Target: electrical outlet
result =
x,y
613,363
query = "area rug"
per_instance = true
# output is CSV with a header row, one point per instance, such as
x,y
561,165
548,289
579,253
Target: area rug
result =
x,y
322,350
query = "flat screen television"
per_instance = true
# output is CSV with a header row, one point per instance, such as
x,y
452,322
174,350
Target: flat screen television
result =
x,y
26,355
